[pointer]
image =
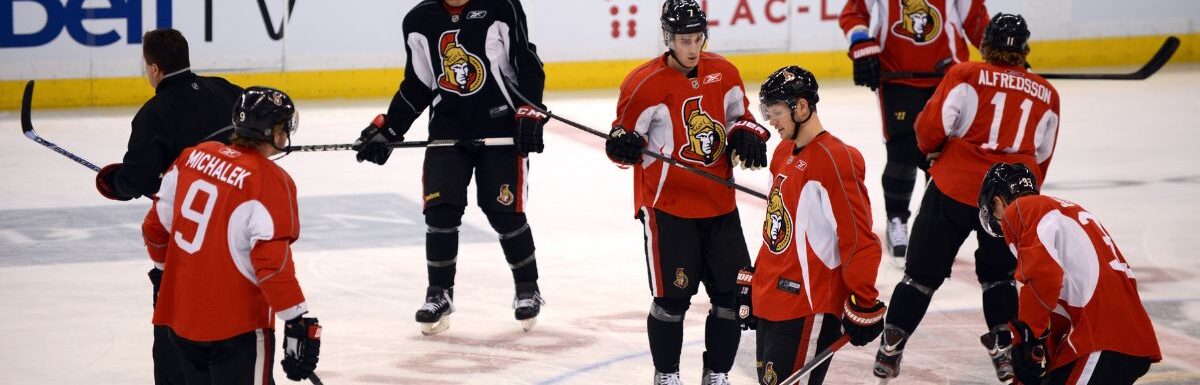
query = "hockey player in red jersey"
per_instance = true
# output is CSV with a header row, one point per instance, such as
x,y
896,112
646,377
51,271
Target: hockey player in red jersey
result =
x,y
689,105
815,273
982,113
1081,319
908,36
222,228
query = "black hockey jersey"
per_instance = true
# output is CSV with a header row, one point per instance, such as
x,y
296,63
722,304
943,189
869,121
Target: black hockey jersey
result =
x,y
456,59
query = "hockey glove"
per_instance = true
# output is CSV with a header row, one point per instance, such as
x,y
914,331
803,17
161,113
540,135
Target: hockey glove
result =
x,y
863,322
106,182
745,312
749,143
301,346
156,280
528,133
624,147
865,54
1028,353
372,144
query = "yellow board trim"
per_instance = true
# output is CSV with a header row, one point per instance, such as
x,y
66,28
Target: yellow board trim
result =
x,y
61,93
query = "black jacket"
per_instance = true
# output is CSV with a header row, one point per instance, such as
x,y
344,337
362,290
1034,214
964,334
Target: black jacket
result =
x,y
186,109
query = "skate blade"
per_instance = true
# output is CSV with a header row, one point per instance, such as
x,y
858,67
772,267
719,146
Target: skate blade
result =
x,y
527,324
432,328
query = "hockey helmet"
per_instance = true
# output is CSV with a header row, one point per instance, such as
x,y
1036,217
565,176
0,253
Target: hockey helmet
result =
x,y
1007,32
683,16
260,109
1007,181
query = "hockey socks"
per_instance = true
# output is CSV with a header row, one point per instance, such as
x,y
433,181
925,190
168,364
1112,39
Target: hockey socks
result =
x,y
999,302
910,301
664,328
441,255
898,182
516,239
721,337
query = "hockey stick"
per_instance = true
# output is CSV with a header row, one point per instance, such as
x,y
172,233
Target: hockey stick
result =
x,y
415,144
727,183
312,377
27,129
817,361
1156,63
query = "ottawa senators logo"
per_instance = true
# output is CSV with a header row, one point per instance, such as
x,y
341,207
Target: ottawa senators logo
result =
x,y
462,71
919,21
681,279
777,227
769,377
506,196
706,137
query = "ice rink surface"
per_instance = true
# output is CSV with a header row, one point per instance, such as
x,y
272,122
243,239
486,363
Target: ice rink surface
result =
x,y
76,300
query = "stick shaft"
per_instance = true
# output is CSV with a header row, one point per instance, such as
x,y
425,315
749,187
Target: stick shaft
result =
x,y
414,144
816,361
29,132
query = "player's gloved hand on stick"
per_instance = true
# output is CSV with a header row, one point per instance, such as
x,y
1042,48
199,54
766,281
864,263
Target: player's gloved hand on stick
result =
x,y
624,147
865,53
301,346
745,312
156,280
106,182
863,322
527,135
749,143
372,144
1028,353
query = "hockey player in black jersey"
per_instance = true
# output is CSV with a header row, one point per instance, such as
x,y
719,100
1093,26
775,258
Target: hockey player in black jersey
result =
x,y
459,55
186,109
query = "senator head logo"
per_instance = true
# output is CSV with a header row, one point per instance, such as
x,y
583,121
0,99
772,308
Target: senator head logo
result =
x,y
918,22
706,137
462,71
777,227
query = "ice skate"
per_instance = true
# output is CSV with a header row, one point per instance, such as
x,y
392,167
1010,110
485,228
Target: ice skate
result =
x,y
887,360
897,241
527,304
709,377
999,346
667,378
434,315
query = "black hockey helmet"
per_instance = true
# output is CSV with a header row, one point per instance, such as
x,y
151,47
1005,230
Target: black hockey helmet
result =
x,y
788,83
683,16
1007,181
260,109
1007,32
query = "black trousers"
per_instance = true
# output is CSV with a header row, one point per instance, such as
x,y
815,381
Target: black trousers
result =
x,y
1101,368
786,346
245,359
682,252
900,106
166,364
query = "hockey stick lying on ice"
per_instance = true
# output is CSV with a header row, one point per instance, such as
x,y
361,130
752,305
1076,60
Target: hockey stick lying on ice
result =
x,y
1156,62
414,144
816,361
728,183
27,129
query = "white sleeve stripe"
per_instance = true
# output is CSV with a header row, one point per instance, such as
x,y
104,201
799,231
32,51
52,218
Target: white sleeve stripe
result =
x,y
959,110
841,184
1069,245
734,106
249,223
421,63
496,47
165,207
293,312
1044,136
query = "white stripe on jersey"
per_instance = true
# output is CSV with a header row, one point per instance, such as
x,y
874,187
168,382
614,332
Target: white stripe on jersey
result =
x,y
818,321
650,251
496,48
165,207
1044,136
959,110
250,222
1069,245
421,64
260,357
1090,367
734,106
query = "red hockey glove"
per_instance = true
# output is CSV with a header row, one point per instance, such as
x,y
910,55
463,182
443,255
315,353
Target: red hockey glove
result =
x,y
106,182
863,321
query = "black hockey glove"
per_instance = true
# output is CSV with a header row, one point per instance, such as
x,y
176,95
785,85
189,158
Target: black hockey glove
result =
x,y
156,280
372,144
527,135
624,147
749,143
301,346
106,183
1028,353
745,312
863,322
865,54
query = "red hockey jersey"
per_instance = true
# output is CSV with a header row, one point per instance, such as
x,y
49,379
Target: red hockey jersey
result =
x,y
222,228
1072,269
983,114
916,34
687,119
818,246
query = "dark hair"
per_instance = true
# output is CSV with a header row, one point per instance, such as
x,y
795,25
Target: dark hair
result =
x,y
167,48
1001,57
248,142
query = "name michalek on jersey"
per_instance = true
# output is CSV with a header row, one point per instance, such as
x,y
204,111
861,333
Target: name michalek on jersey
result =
x,y
1019,83
217,168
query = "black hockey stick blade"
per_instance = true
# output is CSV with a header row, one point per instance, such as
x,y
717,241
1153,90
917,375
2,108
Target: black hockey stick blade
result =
x,y
647,152
486,142
1156,62
817,360
312,377
27,129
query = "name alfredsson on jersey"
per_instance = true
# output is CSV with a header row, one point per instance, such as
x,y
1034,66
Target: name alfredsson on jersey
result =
x,y
1013,82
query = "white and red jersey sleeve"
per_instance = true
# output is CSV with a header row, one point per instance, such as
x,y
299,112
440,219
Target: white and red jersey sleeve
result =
x,y
1072,271
917,34
983,114
818,246
228,216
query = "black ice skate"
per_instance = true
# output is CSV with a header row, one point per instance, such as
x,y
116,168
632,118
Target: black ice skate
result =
x,y
667,378
527,304
999,346
891,349
709,377
434,315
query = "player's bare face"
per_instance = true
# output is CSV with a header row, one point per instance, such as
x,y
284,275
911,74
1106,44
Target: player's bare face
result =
x,y
456,3
780,117
687,48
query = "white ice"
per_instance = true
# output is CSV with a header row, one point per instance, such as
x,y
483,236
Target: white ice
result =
x,y
1127,151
